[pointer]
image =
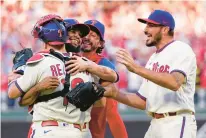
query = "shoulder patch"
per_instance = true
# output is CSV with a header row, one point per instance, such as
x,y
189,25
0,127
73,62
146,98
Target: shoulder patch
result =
x,y
35,58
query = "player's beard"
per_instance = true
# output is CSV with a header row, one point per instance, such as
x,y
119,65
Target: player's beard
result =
x,y
156,40
88,46
70,48
73,44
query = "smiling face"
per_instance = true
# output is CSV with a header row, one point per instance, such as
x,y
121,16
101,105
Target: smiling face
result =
x,y
153,33
74,35
91,42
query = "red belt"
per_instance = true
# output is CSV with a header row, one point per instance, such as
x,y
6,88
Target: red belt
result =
x,y
55,123
158,116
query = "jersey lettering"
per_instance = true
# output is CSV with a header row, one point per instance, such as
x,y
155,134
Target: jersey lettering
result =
x,y
59,70
163,68
56,71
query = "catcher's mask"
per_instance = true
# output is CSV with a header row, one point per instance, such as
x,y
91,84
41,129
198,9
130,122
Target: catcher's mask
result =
x,y
50,29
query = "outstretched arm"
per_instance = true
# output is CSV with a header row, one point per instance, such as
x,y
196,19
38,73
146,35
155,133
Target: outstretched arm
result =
x,y
127,98
80,64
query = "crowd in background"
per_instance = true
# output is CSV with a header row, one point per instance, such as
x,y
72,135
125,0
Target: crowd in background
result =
x,y
122,30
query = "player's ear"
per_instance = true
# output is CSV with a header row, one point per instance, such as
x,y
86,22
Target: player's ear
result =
x,y
166,29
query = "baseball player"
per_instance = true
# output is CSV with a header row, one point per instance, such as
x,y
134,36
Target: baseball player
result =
x,y
92,47
167,92
51,119
75,32
73,45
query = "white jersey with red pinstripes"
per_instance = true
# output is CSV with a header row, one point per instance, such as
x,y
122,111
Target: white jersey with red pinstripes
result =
x,y
175,56
54,108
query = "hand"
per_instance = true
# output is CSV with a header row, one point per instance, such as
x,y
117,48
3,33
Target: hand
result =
x,y
76,64
125,58
48,83
111,91
13,76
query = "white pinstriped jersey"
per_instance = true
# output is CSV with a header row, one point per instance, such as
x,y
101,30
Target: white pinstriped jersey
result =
x,y
176,56
53,109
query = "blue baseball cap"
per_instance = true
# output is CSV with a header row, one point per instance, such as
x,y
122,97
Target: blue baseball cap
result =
x,y
160,17
96,26
72,23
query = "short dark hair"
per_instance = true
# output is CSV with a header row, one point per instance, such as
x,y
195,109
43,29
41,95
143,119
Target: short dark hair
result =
x,y
99,49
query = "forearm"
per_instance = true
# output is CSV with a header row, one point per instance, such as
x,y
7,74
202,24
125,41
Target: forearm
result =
x,y
102,72
13,91
130,99
30,97
163,79
28,101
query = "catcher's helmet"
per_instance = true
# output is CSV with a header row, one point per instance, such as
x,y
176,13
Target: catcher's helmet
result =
x,y
50,29
72,24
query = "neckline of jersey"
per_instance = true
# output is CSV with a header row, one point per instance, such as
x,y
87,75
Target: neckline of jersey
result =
x,y
161,49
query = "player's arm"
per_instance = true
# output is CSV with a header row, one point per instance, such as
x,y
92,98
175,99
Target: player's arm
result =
x,y
124,97
79,64
102,101
13,93
172,81
102,72
30,96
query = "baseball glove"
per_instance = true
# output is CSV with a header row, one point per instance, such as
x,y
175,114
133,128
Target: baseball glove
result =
x,y
85,94
20,59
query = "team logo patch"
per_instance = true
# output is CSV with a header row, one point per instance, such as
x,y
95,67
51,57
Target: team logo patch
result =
x,y
60,32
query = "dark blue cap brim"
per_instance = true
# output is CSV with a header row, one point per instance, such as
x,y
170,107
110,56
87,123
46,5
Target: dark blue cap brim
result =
x,y
142,20
83,28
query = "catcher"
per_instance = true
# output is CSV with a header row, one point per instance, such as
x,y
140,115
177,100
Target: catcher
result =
x,y
52,117
75,32
76,94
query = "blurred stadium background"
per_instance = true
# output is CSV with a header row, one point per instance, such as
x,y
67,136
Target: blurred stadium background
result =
x,y
122,30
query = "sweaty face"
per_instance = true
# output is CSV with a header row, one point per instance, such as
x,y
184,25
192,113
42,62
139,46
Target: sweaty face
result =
x,y
153,33
74,36
91,42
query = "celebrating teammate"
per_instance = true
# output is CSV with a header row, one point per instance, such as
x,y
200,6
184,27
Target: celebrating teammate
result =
x,y
167,92
51,118
75,32
92,46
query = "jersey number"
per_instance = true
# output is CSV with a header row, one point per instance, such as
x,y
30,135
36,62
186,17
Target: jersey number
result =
x,y
75,82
